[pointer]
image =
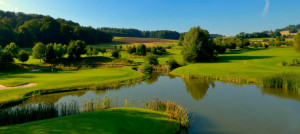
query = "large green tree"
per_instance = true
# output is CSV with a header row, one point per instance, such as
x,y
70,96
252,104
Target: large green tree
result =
x,y
12,49
197,45
38,51
297,42
76,48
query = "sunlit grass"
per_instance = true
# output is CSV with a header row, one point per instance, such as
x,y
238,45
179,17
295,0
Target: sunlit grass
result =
x,y
64,80
116,120
249,64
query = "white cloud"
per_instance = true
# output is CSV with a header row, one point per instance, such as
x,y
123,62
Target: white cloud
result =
x,y
4,4
266,9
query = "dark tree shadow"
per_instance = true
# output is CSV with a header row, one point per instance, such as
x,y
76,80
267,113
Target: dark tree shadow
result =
x,y
240,51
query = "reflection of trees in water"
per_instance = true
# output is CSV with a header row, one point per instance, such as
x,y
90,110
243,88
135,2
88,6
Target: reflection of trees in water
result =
x,y
153,79
156,75
282,93
53,97
197,88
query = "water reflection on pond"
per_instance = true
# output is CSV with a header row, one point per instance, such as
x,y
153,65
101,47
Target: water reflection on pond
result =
x,y
215,107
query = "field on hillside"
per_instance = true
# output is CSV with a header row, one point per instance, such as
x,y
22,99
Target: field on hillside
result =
x,y
250,64
270,39
130,41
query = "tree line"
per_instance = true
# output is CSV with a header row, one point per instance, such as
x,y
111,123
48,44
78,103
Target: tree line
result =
x,y
28,29
290,28
123,32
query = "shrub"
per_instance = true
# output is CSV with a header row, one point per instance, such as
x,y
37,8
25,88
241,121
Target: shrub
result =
x,y
221,49
131,50
151,59
116,54
147,69
266,45
159,50
284,63
102,50
173,64
49,53
292,62
95,52
266,40
141,49
89,50
23,56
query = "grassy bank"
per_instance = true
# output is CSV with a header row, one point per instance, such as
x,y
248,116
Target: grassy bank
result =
x,y
247,65
117,120
63,81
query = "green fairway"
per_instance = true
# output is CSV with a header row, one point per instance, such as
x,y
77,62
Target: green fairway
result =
x,y
64,80
249,64
118,120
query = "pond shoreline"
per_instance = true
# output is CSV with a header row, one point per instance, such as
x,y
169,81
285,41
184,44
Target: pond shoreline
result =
x,y
102,86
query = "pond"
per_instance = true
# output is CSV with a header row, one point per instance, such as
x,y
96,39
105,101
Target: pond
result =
x,y
215,107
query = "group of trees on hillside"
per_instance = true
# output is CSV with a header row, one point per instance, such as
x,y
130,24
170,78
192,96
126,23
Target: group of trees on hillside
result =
x,y
231,43
290,28
53,51
28,29
9,53
264,34
143,50
163,34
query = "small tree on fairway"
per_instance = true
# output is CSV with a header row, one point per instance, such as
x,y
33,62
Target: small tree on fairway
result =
x,y
197,45
173,64
115,54
12,49
39,51
76,48
89,50
141,50
23,56
102,50
95,52
49,53
151,59
59,50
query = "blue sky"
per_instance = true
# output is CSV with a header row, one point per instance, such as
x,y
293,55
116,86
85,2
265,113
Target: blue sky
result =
x,y
227,17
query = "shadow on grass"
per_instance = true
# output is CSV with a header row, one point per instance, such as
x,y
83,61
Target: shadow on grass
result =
x,y
228,58
240,51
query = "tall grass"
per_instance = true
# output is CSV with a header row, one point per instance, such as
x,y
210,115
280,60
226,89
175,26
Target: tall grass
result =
x,y
34,112
286,80
175,110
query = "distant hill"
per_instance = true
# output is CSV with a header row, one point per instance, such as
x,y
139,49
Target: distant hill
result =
x,y
290,28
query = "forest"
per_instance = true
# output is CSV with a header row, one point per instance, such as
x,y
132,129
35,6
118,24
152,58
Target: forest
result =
x,y
123,32
27,29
